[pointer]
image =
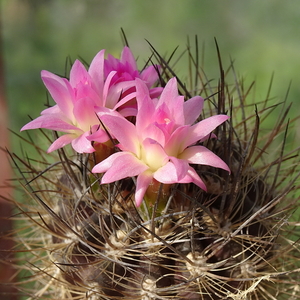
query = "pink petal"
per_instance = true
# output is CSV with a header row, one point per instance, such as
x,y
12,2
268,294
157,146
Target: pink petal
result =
x,y
173,110
49,121
192,109
86,91
150,75
209,136
204,128
118,94
177,141
177,110
124,100
82,145
61,142
106,164
99,136
96,70
153,132
127,57
146,106
54,110
142,183
127,111
110,64
84,112
106,90
174,171
203,156
123,130
60,91
192,176
141,88
118,166
169,93
155,92
166,174
181,166
79,74
162,114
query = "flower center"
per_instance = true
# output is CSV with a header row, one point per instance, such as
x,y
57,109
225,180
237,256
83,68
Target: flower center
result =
x,y
153,155
167,120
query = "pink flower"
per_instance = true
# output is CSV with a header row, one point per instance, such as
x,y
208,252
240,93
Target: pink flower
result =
x,y
126,69
162,144
105,84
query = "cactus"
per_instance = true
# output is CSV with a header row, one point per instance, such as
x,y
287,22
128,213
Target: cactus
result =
x,y
79,239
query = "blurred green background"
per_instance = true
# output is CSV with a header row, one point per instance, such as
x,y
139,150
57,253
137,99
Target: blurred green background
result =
x,y
262,36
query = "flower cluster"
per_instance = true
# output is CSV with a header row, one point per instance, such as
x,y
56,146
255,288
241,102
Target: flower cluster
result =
x,y
107,83
161,142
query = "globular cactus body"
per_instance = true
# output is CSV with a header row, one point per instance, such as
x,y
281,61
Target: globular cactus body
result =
x,y
83,240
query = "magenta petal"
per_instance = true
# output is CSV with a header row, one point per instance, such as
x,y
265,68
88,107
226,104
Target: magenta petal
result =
x,y
110,64
142,183
118,166
61,142
203,156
